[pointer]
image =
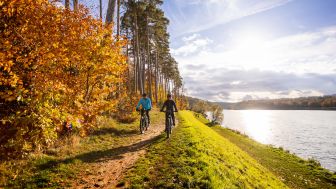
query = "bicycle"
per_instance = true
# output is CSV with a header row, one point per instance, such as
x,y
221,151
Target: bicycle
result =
x,y
143,122
169,123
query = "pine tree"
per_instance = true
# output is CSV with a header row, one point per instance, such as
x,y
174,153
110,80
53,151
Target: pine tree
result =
x,y
110,11
67,4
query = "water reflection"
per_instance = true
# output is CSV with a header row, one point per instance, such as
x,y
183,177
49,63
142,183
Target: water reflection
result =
x,y
303,132
258,124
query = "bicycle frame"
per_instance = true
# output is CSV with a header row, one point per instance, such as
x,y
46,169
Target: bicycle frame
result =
x,y
169,124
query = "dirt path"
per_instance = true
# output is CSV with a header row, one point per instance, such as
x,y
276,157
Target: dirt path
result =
x,y
109,170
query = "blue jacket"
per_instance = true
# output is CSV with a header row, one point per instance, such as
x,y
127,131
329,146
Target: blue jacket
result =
x,y
145,103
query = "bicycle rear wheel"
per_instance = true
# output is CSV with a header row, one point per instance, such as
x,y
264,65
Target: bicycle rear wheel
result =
x,y
168,129
171,125
142,126
146,123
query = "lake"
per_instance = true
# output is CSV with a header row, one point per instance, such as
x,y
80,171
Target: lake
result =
x,y
307,133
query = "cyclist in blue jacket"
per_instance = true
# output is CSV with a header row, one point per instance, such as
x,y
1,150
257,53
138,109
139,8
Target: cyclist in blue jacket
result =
x,y
146,105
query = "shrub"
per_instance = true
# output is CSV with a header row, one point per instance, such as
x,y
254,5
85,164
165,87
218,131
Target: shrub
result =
x,y
54,64
124,111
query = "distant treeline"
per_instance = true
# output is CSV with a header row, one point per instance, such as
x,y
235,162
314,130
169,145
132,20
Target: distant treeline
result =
x,y
303,103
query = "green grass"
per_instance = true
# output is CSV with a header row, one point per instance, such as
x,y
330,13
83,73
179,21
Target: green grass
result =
x,y
58,166
197,157
292,170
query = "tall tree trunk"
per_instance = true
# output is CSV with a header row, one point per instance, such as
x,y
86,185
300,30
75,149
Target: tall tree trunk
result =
x,y
101,9
75,5
150,78
135,65
118,18
149,68
168,86
142,61
165,86
139,60
160,85
129,88
110,11
144,74
156,77
67,4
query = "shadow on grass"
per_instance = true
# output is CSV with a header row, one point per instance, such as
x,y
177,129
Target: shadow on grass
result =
x,y
117,132
101,155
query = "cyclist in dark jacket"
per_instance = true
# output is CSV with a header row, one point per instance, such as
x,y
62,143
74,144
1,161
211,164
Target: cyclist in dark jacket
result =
x,y
170,106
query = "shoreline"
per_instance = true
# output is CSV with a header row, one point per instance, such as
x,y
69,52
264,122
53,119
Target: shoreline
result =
x,y
276,146
199,154
289,131
316,109
198,157
307,173
293,170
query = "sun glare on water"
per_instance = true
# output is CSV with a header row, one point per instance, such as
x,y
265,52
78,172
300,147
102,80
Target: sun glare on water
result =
x,y
258,124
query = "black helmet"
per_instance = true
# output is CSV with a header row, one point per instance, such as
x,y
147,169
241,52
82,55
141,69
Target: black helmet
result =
x,y
144,95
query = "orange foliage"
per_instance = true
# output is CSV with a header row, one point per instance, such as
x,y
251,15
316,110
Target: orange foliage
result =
x,y
58,64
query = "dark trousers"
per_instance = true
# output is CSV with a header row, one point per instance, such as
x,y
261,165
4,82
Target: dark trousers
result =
x,y
147,113
173,117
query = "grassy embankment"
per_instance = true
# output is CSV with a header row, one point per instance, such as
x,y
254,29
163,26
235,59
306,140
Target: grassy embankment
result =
x,y
292,170
198,157
58,166
195,156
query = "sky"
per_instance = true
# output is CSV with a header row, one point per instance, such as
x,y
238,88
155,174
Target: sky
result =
x,y
234,50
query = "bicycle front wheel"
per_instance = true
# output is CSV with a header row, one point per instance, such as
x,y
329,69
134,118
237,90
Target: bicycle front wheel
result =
x,y
142,126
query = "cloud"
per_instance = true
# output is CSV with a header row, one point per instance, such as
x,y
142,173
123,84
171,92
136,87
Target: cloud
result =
x,y
202,2
312,52
235,82
191,37
194,67
192,16
216,85
191,44
292,66
248,62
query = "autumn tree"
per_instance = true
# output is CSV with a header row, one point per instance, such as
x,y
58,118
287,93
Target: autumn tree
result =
x,y
55,65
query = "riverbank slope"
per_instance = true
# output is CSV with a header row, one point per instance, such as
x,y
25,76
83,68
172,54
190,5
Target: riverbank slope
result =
x,y
198,157
291,169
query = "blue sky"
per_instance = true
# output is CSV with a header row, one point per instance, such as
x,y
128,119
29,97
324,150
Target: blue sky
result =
x,y
232,50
